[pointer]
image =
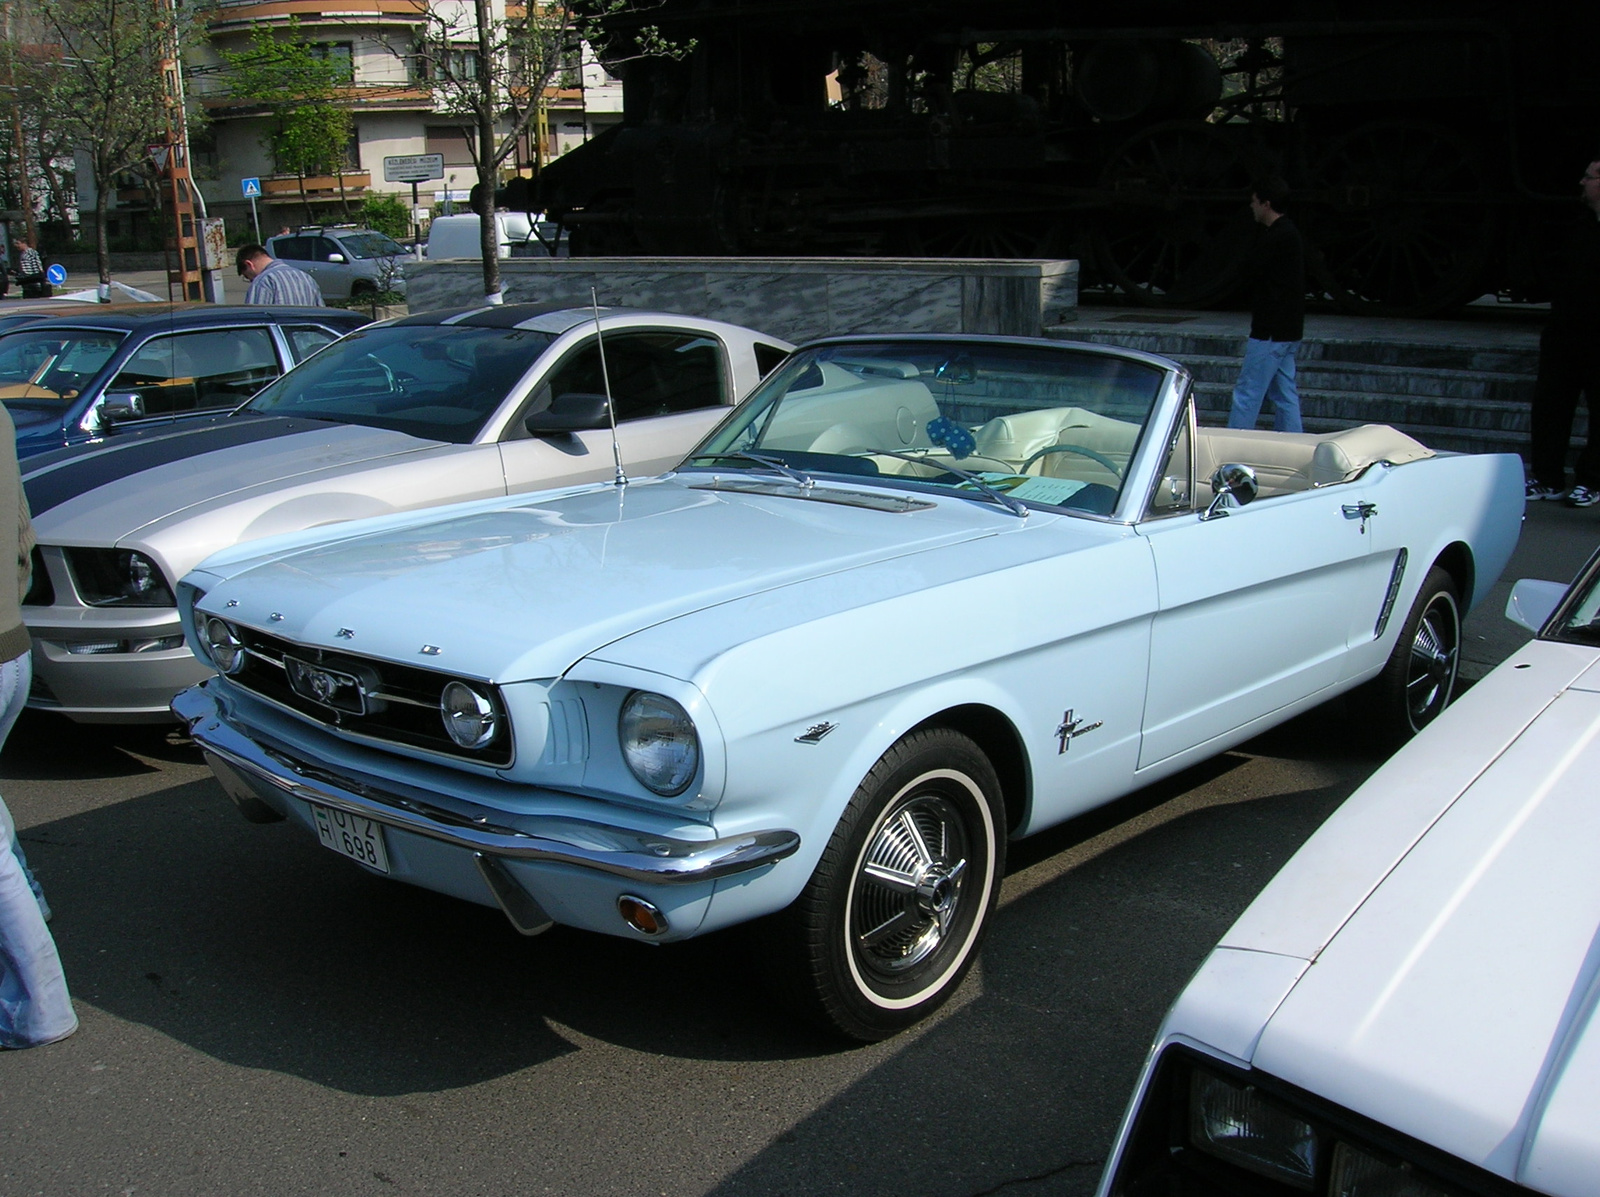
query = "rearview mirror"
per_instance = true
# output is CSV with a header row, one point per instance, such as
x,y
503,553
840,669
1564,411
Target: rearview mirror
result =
x,y
121,405
572,412
1532,602
1232,482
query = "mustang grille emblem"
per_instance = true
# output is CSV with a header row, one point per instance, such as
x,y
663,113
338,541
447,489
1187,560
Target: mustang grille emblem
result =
x,y
325,687
1071,728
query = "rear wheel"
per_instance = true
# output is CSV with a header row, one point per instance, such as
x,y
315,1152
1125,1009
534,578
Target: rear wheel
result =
x,y
1419,678
891,919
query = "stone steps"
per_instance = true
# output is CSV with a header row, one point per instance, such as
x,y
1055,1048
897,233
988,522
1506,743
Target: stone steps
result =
x,y
1469,394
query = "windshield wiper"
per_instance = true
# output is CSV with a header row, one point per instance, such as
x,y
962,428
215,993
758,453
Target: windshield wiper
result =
x,y
801,479
1005,500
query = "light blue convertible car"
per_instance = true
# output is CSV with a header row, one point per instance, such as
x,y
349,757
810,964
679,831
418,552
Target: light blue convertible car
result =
x,y
914,597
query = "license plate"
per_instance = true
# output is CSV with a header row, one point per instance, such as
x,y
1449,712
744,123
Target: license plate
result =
x,y
355,836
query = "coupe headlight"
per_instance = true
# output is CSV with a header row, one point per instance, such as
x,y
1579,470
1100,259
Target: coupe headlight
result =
x,y
1238,1124
222,644
658,742
119,578
1357,1174
469,717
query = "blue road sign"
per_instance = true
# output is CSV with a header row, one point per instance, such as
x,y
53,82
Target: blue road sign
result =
x,y
57,274
252,187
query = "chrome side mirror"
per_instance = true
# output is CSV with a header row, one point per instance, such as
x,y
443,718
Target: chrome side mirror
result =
x,y
1231,483
1532,602
121,405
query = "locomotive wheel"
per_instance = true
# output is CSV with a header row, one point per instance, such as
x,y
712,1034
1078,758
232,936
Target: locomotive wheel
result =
x,y
1178,218
985,237
1402,217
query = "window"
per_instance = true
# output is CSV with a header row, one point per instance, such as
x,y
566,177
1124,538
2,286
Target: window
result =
x,y
451,141
768,357
199,371
652,374
306,339
338,54
293,249
39,365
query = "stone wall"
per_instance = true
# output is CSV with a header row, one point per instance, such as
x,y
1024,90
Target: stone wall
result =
x,y
793,298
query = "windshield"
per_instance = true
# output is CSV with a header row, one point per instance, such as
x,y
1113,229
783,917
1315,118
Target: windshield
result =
x,y
440,382
1580,621
1045,425
371,245
51,365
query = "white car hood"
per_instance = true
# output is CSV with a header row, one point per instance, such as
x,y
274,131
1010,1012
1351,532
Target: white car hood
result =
x,y
522,589
94,500
1457,1003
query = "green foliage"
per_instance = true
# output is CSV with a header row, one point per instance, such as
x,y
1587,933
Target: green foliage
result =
x,y
386,214
301,89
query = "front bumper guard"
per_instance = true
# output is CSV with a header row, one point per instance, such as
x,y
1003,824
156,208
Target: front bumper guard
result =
x,y
639,856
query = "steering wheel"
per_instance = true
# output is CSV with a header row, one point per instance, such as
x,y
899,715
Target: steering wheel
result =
x,y
1099,458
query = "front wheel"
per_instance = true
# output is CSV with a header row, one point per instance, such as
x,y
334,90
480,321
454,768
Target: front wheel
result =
x,y
892,917
1419,678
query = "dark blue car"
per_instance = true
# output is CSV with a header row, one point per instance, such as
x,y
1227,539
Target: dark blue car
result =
x,y
80,378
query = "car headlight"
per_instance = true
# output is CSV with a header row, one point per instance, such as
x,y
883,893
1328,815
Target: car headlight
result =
x,y
222,644
1238,1124
659,742
469,717
118,578
1357,1174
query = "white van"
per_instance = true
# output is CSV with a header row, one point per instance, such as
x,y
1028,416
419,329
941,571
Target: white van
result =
x,y
520,237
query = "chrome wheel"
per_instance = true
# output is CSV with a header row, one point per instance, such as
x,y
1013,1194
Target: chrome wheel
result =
x,y
908,888
1435,655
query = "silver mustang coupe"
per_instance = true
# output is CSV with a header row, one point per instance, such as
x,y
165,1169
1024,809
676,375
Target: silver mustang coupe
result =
x,y
429,409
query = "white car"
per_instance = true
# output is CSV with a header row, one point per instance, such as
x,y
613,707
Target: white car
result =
x,y
1408,1009
916,596
429,409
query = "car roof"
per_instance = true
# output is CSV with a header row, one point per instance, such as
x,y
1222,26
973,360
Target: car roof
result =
x,y
538,317
138,317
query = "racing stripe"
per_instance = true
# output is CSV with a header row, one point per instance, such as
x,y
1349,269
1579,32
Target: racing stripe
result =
x,y
52,478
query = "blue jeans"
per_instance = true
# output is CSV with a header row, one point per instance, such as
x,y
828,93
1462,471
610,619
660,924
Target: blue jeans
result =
x,y
1267,375
34,1005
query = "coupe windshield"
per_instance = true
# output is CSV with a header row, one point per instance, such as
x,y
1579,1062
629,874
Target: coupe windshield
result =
x,y
371,245
1581,622
439,382
1039,424
51,365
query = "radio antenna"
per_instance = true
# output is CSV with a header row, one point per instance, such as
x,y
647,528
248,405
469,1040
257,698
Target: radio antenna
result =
x,y
605,377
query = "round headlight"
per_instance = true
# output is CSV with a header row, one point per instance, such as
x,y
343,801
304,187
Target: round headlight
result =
x,y
223,645
658,742
468,716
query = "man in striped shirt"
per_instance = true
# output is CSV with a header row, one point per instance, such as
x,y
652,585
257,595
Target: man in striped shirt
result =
x,y
274,282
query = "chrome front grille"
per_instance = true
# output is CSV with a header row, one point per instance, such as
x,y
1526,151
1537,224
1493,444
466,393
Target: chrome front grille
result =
x,y
380,700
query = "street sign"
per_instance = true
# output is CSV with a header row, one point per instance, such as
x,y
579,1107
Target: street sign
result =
x,y
57,274
251,187
413,168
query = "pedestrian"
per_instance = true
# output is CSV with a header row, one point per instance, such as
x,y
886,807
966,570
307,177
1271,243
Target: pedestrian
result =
x,y
1569,362
1276,272
30,269
274,282
34,1005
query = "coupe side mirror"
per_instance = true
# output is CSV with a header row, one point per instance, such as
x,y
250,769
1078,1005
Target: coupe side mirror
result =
x,y
572,412
1532,602
1232,482
118,406
336,259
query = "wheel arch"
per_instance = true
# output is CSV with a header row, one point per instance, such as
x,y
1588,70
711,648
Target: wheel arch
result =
x,y
997,736
1456,560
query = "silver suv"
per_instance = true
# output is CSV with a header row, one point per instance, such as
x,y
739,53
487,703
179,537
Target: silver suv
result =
x,y
344,261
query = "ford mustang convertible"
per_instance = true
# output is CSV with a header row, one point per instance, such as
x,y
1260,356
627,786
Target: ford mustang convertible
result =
x,y
914,597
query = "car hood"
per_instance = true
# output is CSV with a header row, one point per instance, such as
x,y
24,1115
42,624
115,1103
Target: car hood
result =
x,y
101,494
1457,1003
523,589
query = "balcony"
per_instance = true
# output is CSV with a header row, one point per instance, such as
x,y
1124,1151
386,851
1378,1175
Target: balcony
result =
x,y
285,189
391,97
224,16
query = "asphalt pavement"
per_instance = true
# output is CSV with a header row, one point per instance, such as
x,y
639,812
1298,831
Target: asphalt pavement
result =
x,y
259,1016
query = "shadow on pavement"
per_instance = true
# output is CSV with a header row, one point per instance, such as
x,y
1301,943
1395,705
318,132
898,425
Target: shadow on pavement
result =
x,y
46,747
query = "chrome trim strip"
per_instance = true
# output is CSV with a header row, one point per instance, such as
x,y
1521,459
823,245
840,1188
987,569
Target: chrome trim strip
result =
x,y
617,851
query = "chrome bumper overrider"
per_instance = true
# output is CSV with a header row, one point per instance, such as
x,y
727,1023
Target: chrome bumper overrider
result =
x,y
619,851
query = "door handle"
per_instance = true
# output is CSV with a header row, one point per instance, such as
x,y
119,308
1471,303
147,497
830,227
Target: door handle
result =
x,y
1360,511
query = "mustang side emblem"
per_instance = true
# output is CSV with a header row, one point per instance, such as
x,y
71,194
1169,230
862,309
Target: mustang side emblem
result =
x,y
814,734
1071,729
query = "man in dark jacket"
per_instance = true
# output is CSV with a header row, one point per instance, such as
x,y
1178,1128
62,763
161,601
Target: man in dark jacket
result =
x,y
1569,362
1277,274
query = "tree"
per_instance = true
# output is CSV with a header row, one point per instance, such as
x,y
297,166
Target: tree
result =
x,y
97,88
490,71
302,91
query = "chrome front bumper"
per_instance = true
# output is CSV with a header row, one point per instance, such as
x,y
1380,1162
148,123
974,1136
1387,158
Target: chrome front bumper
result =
x,y
623,852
